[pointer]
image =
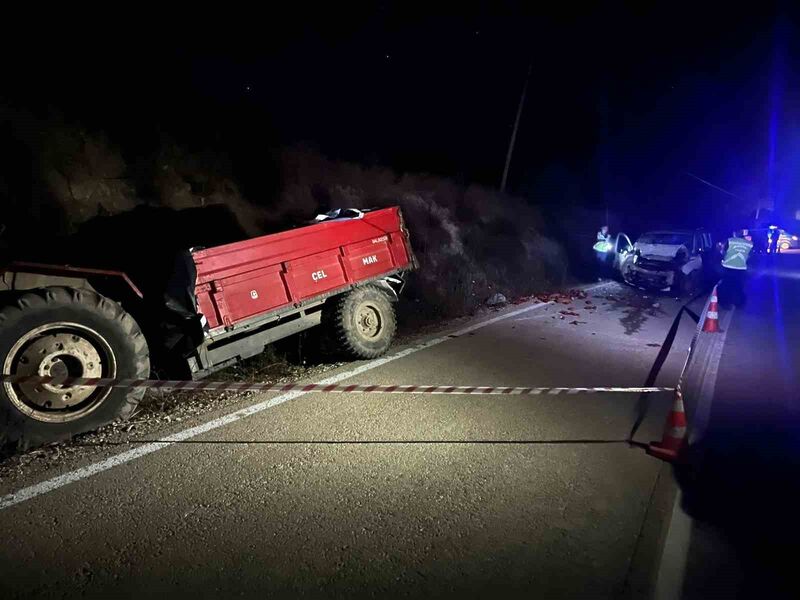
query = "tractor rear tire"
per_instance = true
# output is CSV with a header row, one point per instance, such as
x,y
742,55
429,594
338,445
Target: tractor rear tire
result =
x,y
61,331
361,323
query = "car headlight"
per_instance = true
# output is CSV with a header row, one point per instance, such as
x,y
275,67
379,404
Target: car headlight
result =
x,y
794,238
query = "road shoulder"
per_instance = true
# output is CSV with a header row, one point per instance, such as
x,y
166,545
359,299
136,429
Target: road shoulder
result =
x,y
646,561
679,532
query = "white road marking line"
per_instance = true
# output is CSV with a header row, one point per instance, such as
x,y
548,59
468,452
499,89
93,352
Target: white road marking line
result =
x,y
59,481
672,568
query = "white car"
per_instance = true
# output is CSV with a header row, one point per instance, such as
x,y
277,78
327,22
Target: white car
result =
x,y
787,241
667,260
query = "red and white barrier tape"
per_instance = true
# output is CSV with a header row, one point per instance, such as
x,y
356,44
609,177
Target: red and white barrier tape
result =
x,y
318,387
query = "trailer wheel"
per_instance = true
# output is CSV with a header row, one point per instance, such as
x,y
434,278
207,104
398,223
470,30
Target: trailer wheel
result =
x,y
77,333
361,323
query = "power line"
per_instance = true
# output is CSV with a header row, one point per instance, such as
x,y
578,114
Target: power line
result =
x,y
716,187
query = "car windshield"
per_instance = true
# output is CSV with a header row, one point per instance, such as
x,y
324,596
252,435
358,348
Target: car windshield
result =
x,y
667,238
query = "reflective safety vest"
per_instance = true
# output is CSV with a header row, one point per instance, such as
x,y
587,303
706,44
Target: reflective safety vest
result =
x,y
603,243
738,252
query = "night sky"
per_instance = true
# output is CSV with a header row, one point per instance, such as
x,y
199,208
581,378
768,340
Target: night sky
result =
x,y
623,100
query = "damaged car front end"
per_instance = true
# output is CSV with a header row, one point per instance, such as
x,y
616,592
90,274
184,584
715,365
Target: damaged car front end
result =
x,y
654,272
669,261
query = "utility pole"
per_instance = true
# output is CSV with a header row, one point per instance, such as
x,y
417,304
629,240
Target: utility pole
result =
x,y
516,126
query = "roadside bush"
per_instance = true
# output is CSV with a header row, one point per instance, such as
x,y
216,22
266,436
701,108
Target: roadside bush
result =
x,y
471,241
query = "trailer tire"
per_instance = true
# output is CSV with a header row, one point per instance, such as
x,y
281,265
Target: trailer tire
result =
x,y
61,330
361,323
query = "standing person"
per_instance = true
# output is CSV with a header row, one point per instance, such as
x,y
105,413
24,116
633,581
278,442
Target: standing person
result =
x,y
734,270
772,241
602,249
760,241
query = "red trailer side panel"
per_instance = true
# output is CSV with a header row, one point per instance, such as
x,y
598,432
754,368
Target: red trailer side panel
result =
x,y
315,275
253,292
244,279
368,259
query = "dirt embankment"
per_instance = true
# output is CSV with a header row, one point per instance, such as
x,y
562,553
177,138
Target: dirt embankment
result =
x,y
471,241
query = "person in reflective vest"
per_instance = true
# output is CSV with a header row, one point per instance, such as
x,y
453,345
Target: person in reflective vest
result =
x,y
772,241
602,249
734,270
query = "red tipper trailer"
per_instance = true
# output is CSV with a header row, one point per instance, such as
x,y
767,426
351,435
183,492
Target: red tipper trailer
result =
x,y
245,279
221,304
259,290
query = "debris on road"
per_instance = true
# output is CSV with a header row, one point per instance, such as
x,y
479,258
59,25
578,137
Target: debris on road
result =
x,y
576,322
569,313
567,297
522,299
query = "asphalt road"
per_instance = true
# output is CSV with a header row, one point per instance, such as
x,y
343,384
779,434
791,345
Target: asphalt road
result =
x,y
740,485
381,495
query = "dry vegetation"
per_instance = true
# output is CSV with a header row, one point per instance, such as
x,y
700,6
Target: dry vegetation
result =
x,y
470,241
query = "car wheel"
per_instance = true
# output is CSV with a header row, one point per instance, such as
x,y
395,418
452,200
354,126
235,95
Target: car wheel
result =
x,y
627,274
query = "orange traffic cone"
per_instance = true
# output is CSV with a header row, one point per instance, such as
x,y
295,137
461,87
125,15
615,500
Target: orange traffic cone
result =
x,y
711,322
674,437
